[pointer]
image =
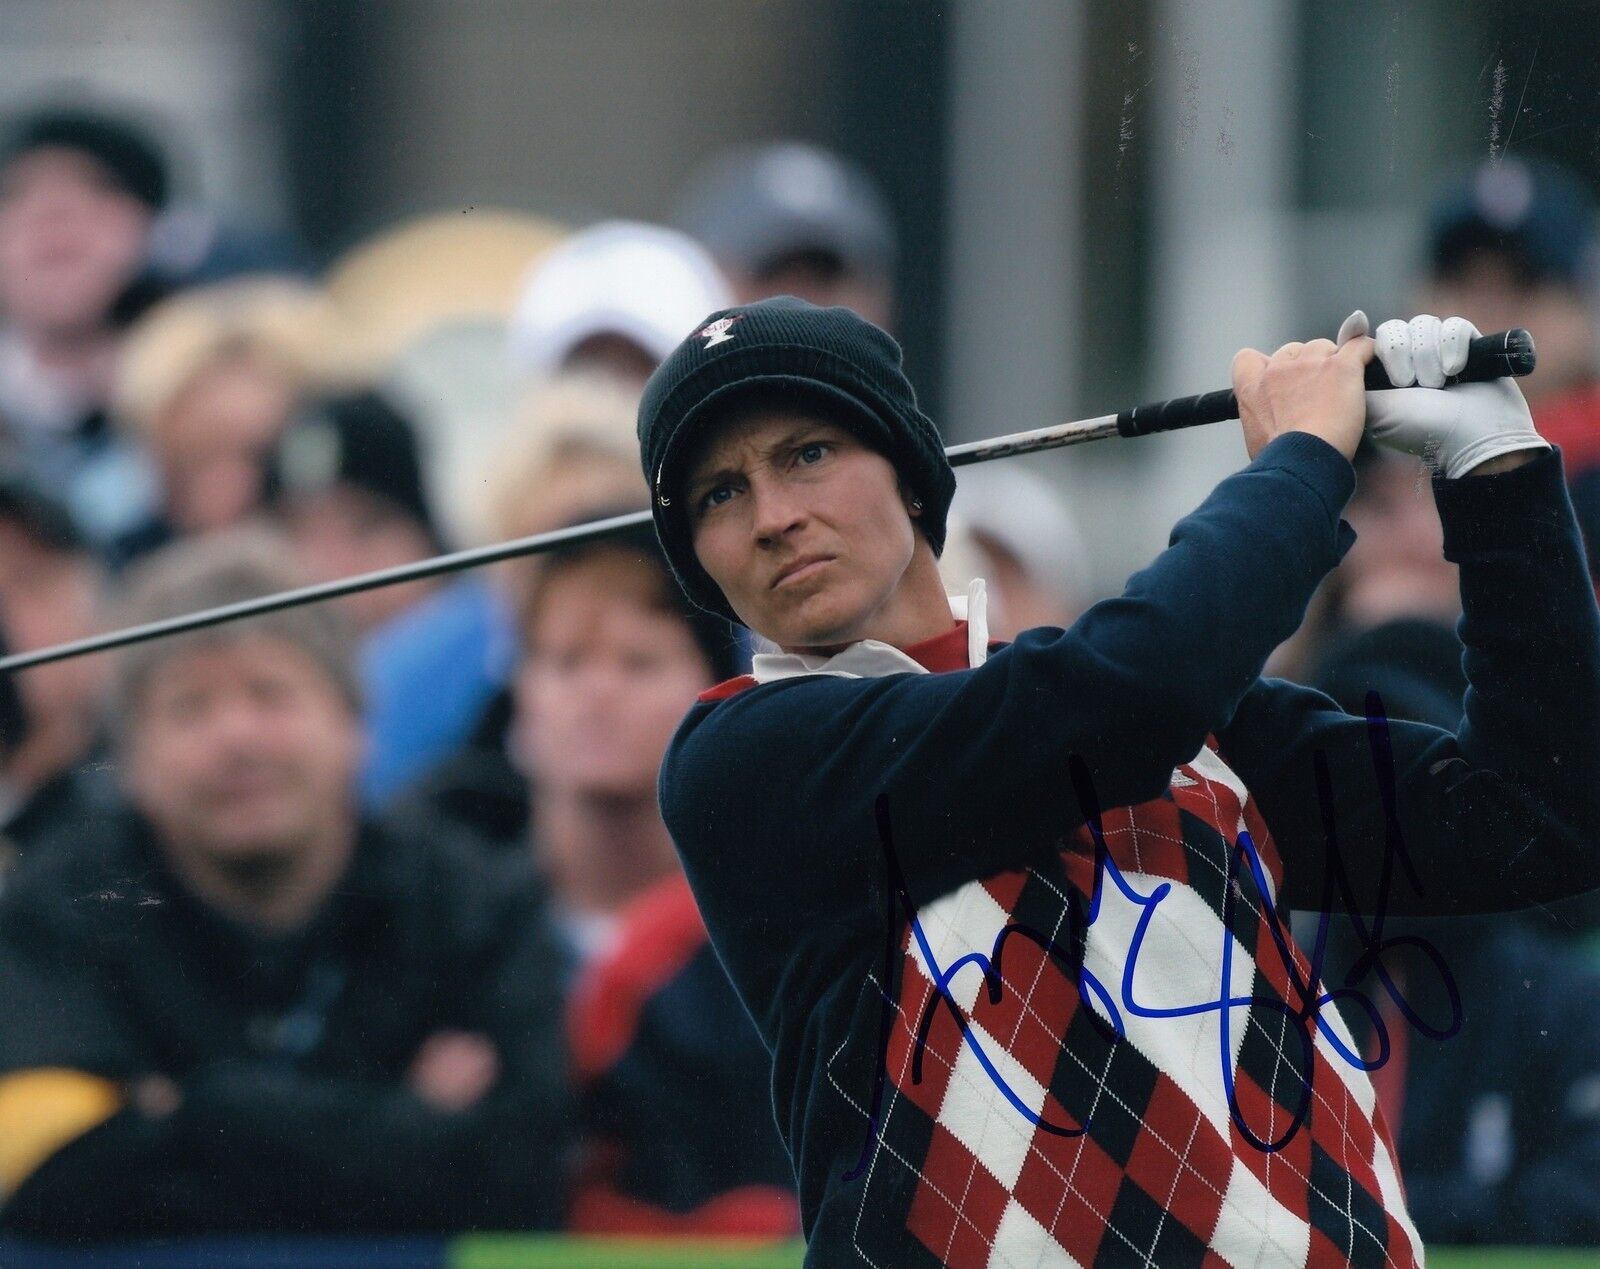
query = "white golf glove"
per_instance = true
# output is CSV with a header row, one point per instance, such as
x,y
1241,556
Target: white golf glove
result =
x,y
1451,429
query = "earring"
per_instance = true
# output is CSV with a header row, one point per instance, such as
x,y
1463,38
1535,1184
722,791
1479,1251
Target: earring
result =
x,y
916,505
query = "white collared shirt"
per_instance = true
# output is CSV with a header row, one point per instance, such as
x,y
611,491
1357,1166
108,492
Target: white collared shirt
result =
x,y
871,658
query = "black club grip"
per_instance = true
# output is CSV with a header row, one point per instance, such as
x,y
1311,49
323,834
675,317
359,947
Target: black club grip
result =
x,y
1506,353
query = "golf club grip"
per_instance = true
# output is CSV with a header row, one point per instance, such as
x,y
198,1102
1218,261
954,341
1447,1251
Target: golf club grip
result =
x,y
1506,353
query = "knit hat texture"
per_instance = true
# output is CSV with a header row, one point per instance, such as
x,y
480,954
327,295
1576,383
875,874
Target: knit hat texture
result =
x,y
776,354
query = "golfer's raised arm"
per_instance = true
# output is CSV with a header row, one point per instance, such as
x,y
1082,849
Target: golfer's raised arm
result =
x,y
1505,811
975,764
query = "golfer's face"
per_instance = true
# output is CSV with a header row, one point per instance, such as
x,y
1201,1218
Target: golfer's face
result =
x,y
802,526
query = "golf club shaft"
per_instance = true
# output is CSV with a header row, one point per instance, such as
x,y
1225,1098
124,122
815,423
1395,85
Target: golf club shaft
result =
x,y
1490,356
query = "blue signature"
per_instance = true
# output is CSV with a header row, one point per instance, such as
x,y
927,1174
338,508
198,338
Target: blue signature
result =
x,y
1306,989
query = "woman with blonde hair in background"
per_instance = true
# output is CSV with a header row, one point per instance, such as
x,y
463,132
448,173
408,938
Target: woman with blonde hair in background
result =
x,y
207,383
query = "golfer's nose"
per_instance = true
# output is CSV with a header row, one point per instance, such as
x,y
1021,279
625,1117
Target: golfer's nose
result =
x,y
777,511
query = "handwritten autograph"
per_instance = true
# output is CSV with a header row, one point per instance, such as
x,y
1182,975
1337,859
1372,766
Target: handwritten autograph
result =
x,y
1305,1011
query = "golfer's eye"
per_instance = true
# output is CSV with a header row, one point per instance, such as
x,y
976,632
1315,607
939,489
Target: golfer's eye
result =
x,y
813,451
715,496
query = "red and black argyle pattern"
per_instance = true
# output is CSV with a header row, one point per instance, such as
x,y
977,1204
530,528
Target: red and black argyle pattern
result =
x,y
1166,1173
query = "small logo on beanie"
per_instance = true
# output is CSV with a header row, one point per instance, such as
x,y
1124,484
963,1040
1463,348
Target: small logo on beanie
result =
x,y
717,332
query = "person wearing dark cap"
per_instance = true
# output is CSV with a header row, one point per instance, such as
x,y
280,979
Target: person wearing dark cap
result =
x,y
790,218
352,496
1516,242
80,191
55,784
1007,916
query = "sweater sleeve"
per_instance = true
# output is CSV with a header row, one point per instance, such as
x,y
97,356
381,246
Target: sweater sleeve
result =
x,y
770,794
1500,814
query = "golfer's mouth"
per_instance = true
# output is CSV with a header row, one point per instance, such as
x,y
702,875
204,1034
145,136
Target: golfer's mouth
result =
x,y
802,569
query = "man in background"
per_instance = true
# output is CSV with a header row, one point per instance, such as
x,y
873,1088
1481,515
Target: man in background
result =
x,y
253,1009
80,191
1515,243
1010,527
790,218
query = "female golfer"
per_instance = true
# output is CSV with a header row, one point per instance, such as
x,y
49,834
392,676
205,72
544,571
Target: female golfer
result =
x,y
1010,919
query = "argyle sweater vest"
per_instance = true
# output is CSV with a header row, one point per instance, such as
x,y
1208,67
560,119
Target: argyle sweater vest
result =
x,y
1083,1045
1202,1132
1119,1057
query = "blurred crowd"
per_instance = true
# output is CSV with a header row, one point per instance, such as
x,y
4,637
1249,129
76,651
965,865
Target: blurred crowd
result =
x,y
360,916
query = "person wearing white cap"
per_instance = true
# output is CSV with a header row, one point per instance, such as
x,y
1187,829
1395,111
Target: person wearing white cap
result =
x,y
617,297
1024,542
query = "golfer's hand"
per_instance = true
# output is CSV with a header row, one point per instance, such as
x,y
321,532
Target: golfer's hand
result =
x,y
1465,428
1313,387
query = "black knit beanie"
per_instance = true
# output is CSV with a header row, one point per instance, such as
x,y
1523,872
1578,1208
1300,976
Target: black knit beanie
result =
x,y
124,150
776,354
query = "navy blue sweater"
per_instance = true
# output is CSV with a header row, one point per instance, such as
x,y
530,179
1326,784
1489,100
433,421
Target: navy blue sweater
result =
x,y
769,793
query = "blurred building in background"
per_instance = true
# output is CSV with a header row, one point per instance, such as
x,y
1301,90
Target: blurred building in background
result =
x,y
419,257
1096,205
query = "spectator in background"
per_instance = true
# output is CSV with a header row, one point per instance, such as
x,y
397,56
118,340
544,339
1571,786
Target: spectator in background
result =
x,y
433,651
79,194
574,451
207,383
794,219
570,437
614,298
1017,533
55,784
253,1008
1396,569
674,1078
612,652
675,1087
1514,242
